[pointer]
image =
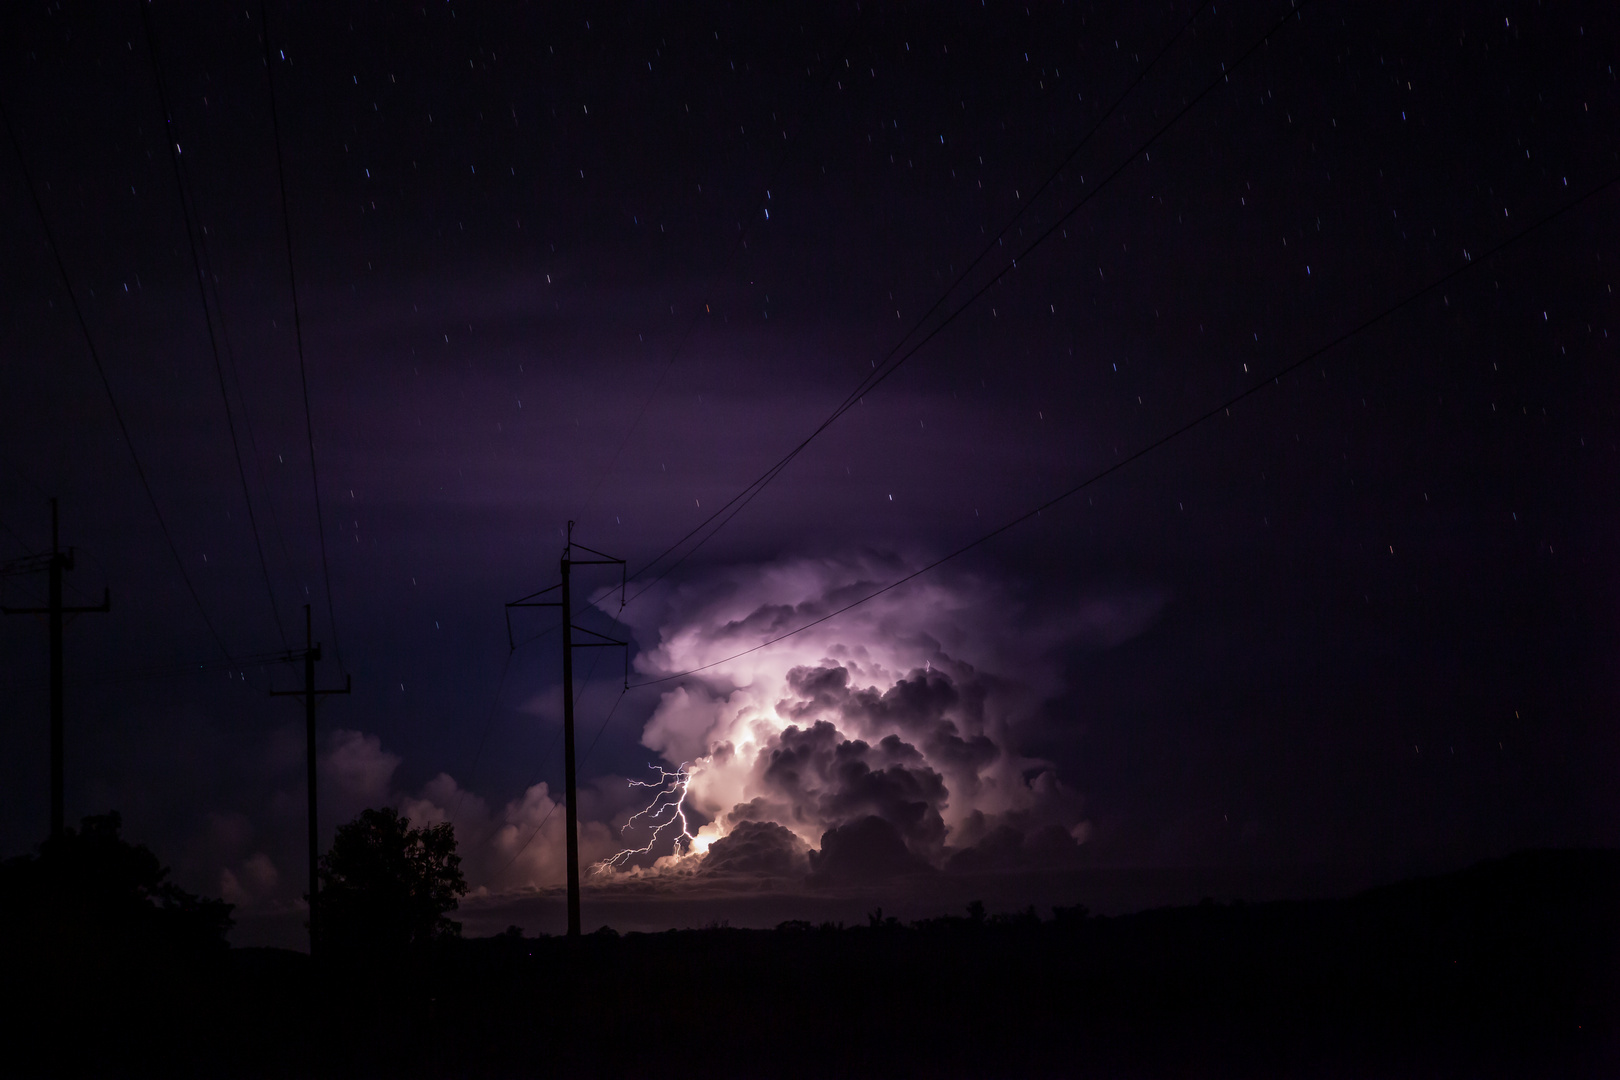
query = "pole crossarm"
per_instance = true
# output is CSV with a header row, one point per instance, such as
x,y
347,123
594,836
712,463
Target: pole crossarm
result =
x,y
606,641
605,556
527,601
348,688
565,601
310,653
519,602
56,563
27,564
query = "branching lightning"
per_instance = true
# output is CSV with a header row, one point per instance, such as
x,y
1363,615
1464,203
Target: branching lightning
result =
x,y
668,808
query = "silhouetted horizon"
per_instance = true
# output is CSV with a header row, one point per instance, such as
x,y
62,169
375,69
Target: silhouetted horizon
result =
x,y
1505,966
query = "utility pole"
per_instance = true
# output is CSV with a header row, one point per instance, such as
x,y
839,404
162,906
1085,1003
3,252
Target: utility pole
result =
x,y
54,563
571,808
312,653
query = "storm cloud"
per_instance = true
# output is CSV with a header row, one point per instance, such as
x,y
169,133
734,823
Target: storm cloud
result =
x,y
875,740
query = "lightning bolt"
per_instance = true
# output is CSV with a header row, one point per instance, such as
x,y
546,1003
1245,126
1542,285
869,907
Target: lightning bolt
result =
x,y
667,809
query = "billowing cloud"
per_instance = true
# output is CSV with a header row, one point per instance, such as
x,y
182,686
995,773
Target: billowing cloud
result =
x,y
757,848
881,740
877,746
866,851
522,844
356,772
250,883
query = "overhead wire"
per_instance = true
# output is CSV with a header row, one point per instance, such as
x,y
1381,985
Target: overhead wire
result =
x,y
254,455
27,548
8,571
725,514
545,757
771,473
289,564
869,381
298,331
879,375
208,318
1025,206
106,384
1272,379
753,218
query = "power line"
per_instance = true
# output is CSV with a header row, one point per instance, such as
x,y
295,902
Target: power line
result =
x,y
739,502
288,563
1162,440
247,421
106,385
298,332
754,216
872,379
27,548
208,320
1027,205
564,602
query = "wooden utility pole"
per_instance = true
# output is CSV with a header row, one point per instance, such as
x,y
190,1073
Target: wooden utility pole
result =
x,y
312,653
570,788
54,564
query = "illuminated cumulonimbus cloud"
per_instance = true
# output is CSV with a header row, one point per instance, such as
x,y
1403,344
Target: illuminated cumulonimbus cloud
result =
x,y
875,743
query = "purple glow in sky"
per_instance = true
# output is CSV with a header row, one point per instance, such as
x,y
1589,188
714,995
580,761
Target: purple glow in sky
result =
x,y
1362,622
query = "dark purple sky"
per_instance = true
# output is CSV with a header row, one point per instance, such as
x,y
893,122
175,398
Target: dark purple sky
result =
x,y
1367,620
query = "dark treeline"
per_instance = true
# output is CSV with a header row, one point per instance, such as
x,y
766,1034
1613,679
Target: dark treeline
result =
x,y
1511,968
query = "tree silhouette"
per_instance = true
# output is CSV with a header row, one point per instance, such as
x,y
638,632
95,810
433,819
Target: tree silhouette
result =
x,y
386,888
91,897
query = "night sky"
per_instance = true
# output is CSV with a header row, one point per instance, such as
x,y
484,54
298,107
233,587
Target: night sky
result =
x,y
611,264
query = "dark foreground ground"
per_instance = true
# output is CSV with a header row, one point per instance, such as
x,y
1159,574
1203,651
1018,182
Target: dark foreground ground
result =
x,y
1509,969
